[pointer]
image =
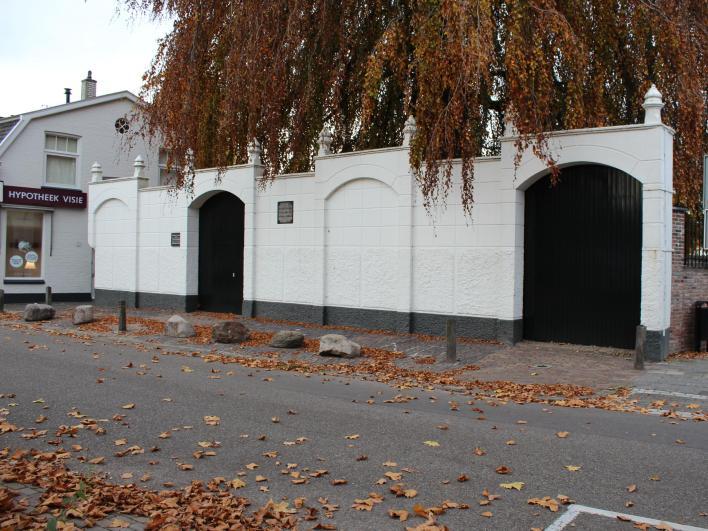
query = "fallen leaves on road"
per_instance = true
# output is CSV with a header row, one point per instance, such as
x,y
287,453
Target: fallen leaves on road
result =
x,y
562,434
189,508
431,443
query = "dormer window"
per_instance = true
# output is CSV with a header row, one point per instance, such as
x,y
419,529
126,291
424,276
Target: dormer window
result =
x,y
62,154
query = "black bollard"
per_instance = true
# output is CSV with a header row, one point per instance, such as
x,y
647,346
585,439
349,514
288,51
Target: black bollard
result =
x,y
451,352
48,296
639,347
2,300
122,320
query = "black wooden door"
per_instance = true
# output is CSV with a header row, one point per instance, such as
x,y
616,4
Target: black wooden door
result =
x,y
221,221
583,257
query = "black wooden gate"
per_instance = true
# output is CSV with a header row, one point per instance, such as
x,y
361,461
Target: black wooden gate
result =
x,y
583,257
221,221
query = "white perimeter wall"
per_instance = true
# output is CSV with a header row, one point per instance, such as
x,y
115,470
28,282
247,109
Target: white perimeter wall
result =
x,y
362,239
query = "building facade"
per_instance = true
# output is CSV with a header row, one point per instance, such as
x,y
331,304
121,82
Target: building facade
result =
x,y
351,243
45,161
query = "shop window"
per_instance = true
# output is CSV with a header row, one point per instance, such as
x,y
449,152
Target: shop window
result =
x,y
62,154
23,247
167,174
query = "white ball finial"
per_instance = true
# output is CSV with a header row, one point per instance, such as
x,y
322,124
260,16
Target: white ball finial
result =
x,y
409,130
325,141
139,167
254,153
652,106
96,172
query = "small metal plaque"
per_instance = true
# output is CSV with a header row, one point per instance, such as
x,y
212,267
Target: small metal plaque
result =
x,y
285,212
175,239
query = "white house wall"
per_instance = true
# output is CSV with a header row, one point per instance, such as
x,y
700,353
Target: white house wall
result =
x,y
363,250
67,257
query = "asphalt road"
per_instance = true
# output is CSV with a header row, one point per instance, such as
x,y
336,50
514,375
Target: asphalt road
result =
x,y
613,450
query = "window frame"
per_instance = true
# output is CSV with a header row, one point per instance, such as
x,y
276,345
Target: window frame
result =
x,y
66,154
163,167
45,245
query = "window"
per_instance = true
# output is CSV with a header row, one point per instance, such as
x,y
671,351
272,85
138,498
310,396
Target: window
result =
x,y
122,126
62,154
23,251
167,174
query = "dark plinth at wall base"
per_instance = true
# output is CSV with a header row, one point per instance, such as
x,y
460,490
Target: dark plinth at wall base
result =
x,y
656,346
423,323
185,303
284,311
20,298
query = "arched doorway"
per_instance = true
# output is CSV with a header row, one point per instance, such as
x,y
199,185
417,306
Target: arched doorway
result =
x,y
221,227
583,257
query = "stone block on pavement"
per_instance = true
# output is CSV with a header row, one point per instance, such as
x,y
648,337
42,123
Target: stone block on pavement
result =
x,y
178,326
229,332
38,312
339,346
287,339
83,314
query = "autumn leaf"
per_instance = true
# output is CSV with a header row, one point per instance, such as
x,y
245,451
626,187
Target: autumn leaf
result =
x,y
401,514
518,485
395,476
431,443
97,461
503,470
562,434
128,406
260,479
211,420
487,514
632,488
118,523
339,482
572,468
546,501
352,437
237,483
479,451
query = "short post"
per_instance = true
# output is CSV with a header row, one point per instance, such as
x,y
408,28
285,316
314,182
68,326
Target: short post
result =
x,y
451,351
48,296
122,321
2,300
639,347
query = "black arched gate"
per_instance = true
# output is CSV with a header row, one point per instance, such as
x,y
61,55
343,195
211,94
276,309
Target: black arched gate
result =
x,y
583,257
221,230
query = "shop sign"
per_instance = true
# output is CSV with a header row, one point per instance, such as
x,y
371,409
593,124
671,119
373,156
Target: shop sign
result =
x,y
46,197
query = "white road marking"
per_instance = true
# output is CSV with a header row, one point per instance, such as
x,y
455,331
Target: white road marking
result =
x,y
575,510
675,394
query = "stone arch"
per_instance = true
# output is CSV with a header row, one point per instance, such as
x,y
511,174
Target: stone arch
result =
x,y
361,245
533,169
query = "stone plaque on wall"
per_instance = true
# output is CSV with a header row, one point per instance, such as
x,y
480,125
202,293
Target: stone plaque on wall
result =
x,y
285,212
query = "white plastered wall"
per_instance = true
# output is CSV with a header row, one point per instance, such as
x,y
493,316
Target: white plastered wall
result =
x,y
361,237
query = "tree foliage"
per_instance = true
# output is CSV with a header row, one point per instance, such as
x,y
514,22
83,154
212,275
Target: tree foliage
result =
x,y
279,70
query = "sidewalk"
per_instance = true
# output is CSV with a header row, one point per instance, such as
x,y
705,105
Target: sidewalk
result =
x,y
603,369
